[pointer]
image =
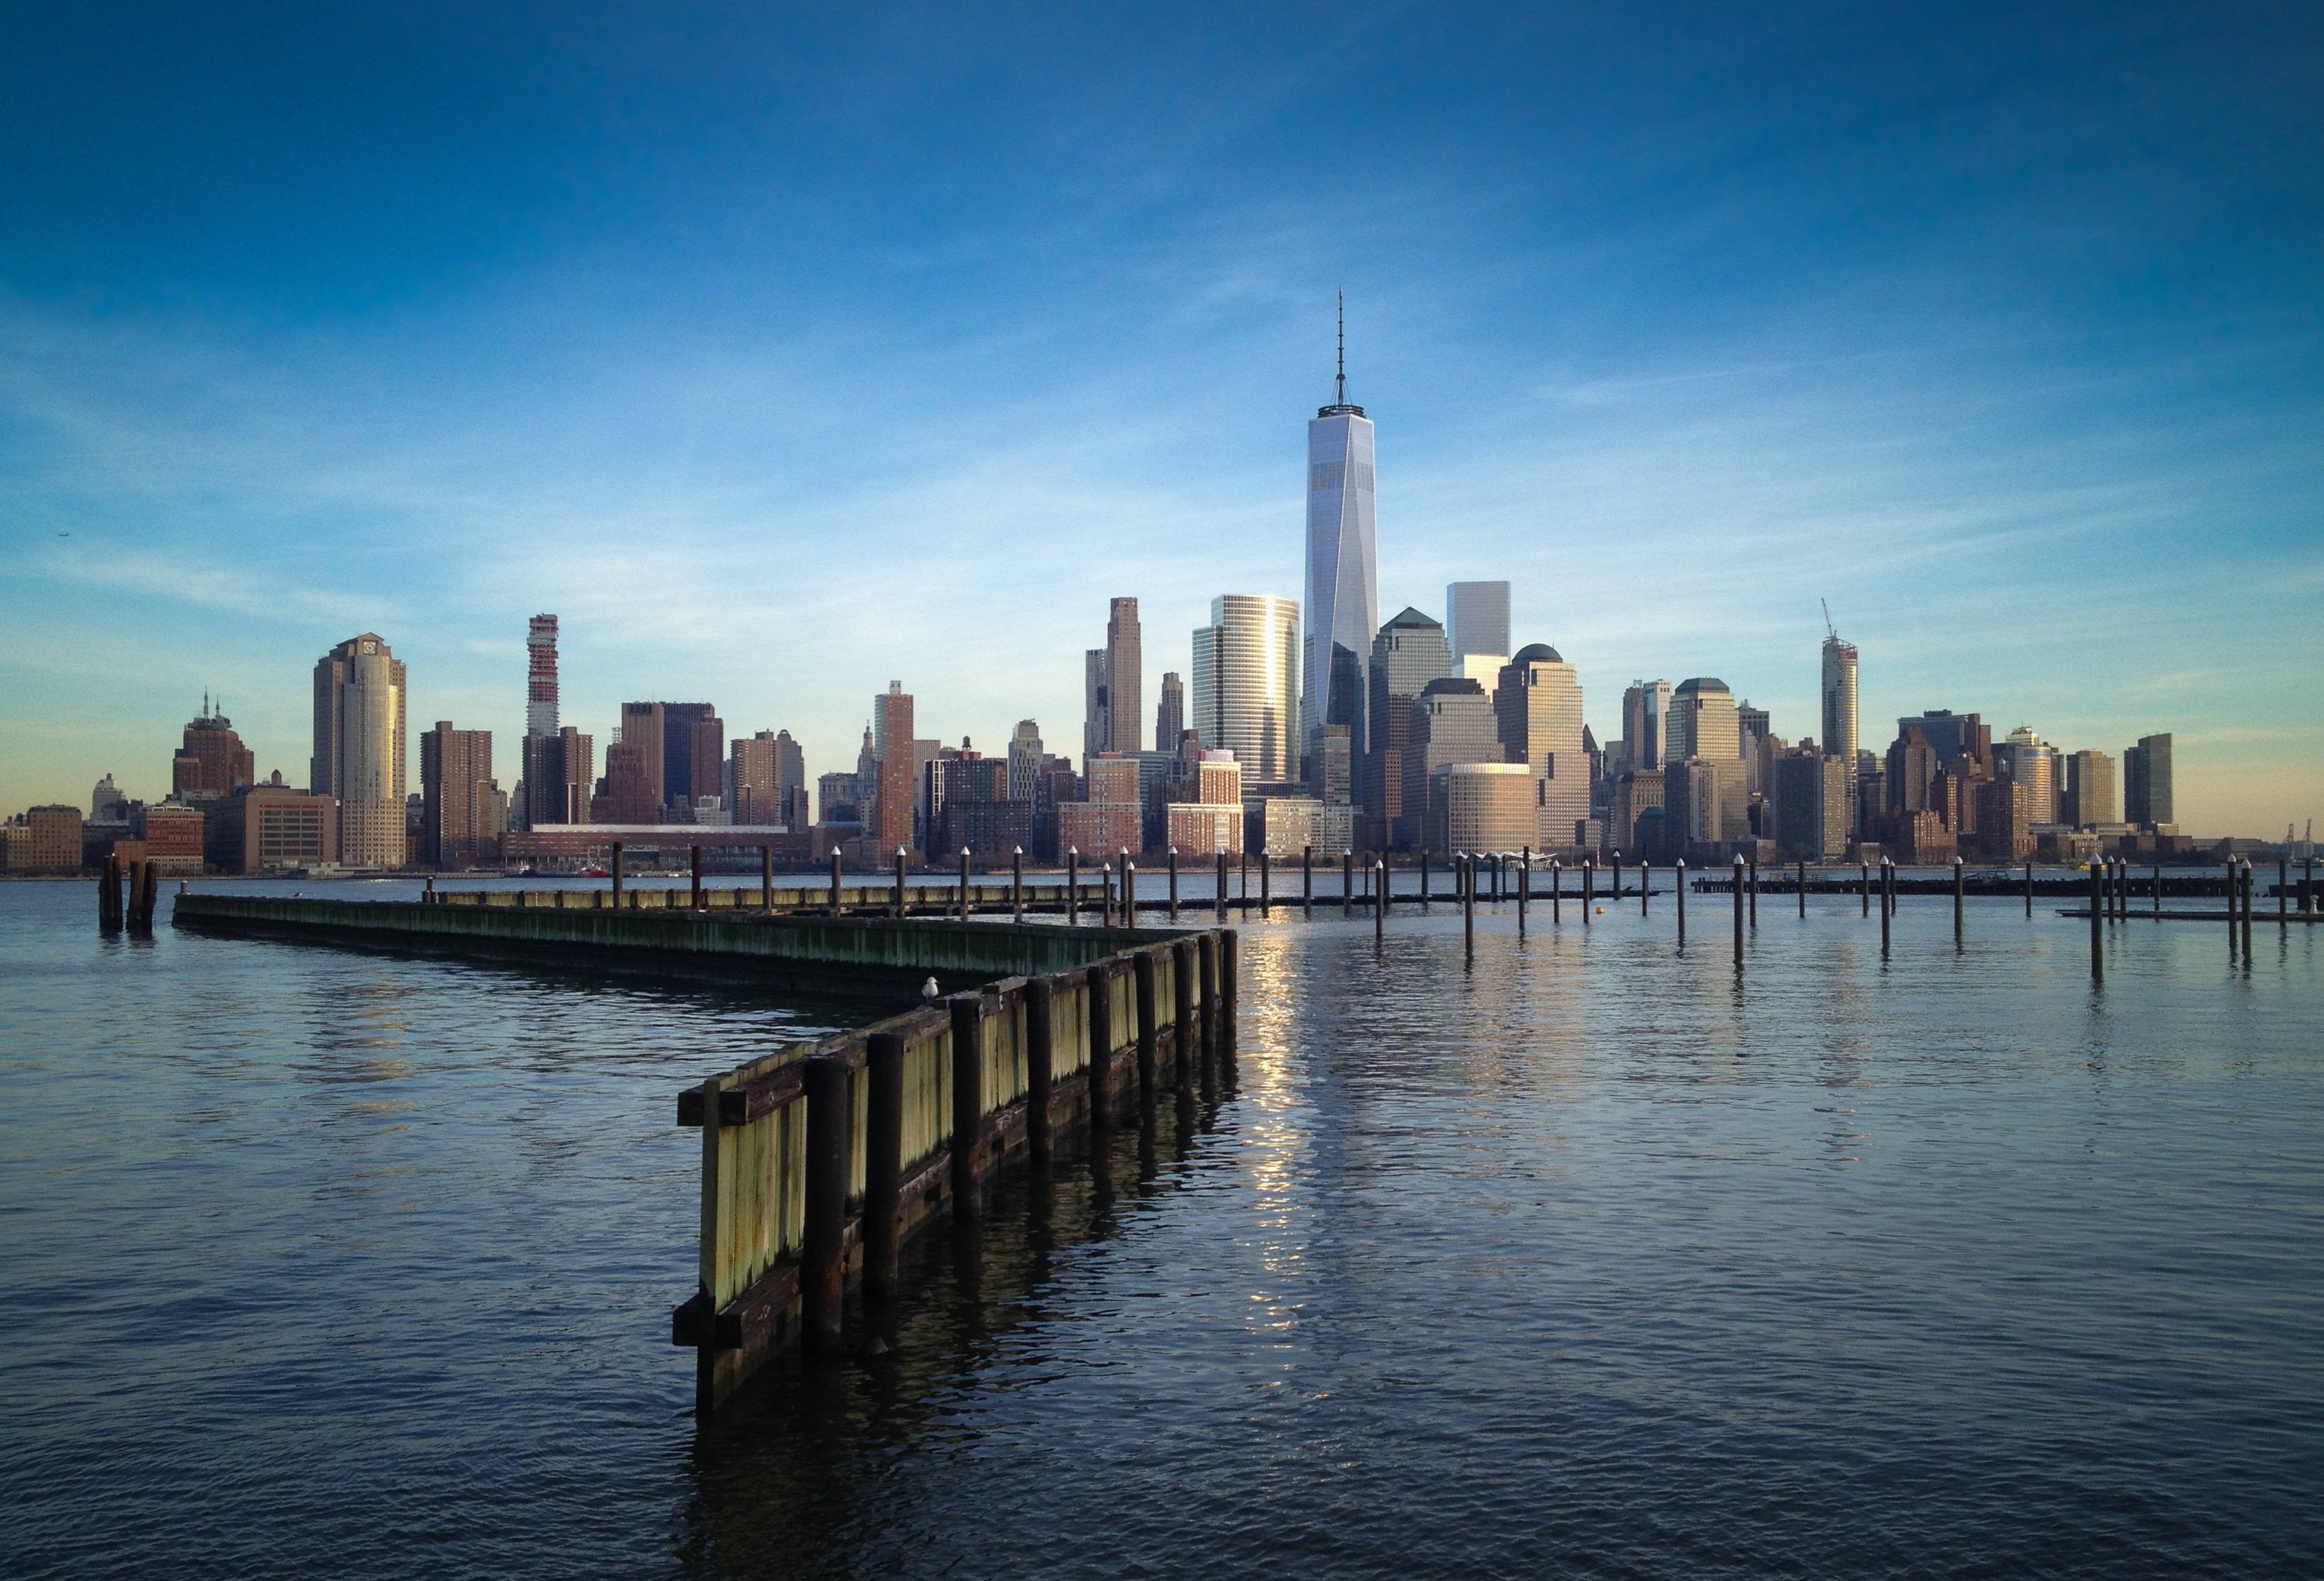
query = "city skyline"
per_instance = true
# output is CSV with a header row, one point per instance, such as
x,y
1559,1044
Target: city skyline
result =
x,y
2039,432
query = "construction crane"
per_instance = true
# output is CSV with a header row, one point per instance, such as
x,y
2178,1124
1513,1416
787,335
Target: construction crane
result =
x,y
1831,630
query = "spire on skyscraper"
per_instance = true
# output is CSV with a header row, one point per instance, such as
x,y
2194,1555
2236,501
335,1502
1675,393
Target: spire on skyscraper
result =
x,y
1339,384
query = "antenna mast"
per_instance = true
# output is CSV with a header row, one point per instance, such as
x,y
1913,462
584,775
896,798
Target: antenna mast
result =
x,y
1340,384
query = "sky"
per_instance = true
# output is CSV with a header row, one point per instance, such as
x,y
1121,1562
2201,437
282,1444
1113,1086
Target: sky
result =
x,y
784,352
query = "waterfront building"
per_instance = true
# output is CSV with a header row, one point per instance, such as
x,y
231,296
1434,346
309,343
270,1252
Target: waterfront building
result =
x,y
2025,759
1962,737
1538,703
693,753
2005,833
1634,794
1113,686
1702,722
359,749
171,835
1453,722
977,810
1922,840
1024,755
753,788
1408,652
1912,771
1213,822
1329,767
1342,607
889,819
455,787
1706,806
271,826
1282,826
2090,796
2146,783
212,760
642,729
1246,683
1170,713
1645,714
559,772
1477,620
1491,806
51,842
106,804
629,796
1109,815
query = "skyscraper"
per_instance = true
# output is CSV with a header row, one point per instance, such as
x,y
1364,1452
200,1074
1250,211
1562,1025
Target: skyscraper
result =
x,y
1646,719
693,753
1024,755
1246,683
558,772
540,676
642,771
891,714
212,761
1702,722
791,783
1453,722
455,797
1342,568
2089,790
1538,702
2146,781
753,788
1840,699
359,749
1477,619
1113,686
1408,652
1170,713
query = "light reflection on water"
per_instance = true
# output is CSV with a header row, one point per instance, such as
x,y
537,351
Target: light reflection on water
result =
x,y
1576,1256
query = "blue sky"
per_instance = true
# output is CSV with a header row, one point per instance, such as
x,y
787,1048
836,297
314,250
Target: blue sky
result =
x,y
785,353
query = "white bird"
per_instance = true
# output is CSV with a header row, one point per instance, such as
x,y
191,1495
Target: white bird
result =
x,y
928,989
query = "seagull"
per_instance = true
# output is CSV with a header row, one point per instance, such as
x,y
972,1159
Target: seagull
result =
x,y
929,990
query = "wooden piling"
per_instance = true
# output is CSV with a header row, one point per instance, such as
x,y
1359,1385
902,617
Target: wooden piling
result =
x,y
834,881
822,1244
1148,1030
1127,905
617,874
967,1106
2248,913
1556,891
1888,880
2231,909
1266,882
1016,885
883,1159
1738,912
1346,882
1229,1003
1957,902
1380,900
767,879
2029,886
1525,885
1678,891
1040,1066
901,913
2282,884
1307,880
1646,884
1182,1011
1864,874
1223,886
2098,949
1467,867
1174,883
1206,960
2158,892
963,884
1589,887
108,895
697,878
1073,886
1424,875
1755,890
1803,886
1099,1000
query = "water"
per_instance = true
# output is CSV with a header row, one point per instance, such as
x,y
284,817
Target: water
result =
x,y
1577,1260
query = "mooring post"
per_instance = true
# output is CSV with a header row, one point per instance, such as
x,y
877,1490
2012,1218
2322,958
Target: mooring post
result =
x,y
1229,1004
963,884
2098,951
967,1104
697,878
1307,880
1266,881
1149,1032
1678,891
1346,882
1040,1066
767,879
1223,886
2029,886
2157,898
834,881
1556,891
1755,889
1468,871
1174,883
883,1159
428,895
148,923
1206,960
141,899
1073,886
617,875
1128,902
1887,882
823,1249
900,912
1803,886
1379,902
1614,891
1738,911
1525,885
2231,909
2282,883
1589,887
1098,990
1646,884
1864,873
1424,877
1957,901
1016,885
108,892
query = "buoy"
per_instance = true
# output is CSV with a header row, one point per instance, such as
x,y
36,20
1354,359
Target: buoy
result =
x,y
1601,910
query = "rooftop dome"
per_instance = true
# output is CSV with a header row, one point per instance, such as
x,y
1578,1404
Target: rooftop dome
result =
x,y
1538,654
1452,683
1703,683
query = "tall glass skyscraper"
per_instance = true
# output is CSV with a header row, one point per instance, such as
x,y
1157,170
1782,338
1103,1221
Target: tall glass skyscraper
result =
x,y
1343,570
1245,699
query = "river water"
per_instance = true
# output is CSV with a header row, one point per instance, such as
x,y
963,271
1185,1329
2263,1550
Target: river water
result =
x,y
1573,1257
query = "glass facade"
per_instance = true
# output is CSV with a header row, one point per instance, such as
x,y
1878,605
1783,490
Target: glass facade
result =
x,y
1343,574
1246,698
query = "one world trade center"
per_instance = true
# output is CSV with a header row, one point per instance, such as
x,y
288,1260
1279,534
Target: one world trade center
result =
x,y
1342,568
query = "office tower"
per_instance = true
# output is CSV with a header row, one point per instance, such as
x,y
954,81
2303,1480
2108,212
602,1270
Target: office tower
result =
x,y
891,722
1488,807
1954,736
212,760
558,770
2004,831
2090,790
791,783
643,727
1913,767
630,796
1331,767
976,810
1477,620
2147,782
1634,794
1408,652
1170,713
1246,683
1109,818
456,798
1701,722
1343,569
2024,759
1025,755
693,753
1810,806
1113,687
754,779
1539,704
1207,819
106,804
1839,698
1645,714
836,799
1705,805
359,747
1453,722
540,676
